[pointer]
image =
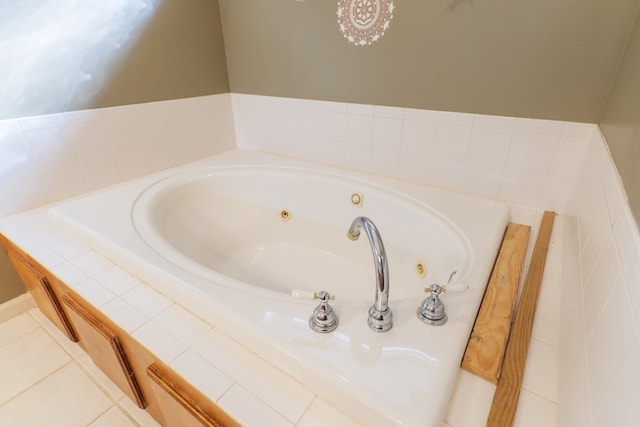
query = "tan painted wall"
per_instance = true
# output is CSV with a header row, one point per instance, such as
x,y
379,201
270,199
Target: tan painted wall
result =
x,y
57,56
10,284
542,59
179,55
620,121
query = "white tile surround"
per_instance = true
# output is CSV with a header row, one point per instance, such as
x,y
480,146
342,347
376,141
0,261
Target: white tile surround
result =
x,y
49,158
532,164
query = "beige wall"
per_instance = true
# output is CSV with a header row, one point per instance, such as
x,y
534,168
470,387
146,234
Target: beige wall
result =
x,y
620,121
540,59
59,57
10,284
180,54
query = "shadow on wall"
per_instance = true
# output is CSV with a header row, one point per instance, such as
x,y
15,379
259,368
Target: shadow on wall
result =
x,y
180,54
10,284
64,57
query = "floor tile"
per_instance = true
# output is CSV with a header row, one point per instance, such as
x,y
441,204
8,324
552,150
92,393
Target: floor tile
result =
x,y
140,416
73,349
65,398
99,378
16,327
114,417
27,360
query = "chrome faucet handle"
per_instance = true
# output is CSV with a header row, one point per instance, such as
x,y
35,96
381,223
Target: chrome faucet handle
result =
x,y
431,311
323,319
324,296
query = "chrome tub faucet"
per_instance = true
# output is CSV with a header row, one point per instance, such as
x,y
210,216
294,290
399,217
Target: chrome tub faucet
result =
x,y
380,315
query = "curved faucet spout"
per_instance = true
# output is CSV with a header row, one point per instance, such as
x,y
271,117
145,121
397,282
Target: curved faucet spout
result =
x,y
380,315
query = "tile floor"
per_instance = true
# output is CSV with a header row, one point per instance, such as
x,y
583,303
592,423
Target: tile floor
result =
x,y
45,380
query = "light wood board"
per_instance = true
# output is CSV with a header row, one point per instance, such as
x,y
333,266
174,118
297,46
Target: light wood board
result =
x,y
488,341
505,399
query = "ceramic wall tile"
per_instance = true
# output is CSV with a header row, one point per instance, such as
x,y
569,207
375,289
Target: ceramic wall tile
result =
x,y
116,280
359,130
226,354
539,157
535,411
611,354
94,293
495,122
102,171
532,151
417,136
57,156
159,342
16,156
133,162
212,382
489,146
65,180
451,141
471,401
550,127
250,411
183,325
146,300
387,133
278,390
33,191
321,413
124,315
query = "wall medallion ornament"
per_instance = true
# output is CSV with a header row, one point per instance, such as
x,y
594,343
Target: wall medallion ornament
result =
x,y
364,21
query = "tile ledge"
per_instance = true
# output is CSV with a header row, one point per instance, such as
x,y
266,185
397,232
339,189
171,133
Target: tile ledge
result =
x,y
16,306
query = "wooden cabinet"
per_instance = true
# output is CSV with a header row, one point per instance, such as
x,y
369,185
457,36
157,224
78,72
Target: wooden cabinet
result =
x,y
133,368
181,405
103,345
40,288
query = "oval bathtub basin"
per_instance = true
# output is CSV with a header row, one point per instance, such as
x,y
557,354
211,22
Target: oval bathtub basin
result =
x,y
233,236
285,229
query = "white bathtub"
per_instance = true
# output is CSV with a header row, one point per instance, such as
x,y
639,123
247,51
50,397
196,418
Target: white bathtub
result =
x,y
212,236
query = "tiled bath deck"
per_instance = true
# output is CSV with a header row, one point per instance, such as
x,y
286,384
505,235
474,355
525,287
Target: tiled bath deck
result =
x,y
66,381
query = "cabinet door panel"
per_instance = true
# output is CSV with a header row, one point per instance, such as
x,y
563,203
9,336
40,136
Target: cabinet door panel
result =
x,y
180,406
40,289
104,347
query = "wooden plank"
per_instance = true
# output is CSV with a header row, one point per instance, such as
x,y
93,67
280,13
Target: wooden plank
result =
x,y
505,399
488,341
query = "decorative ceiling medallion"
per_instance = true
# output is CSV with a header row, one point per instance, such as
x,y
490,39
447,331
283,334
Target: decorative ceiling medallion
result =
x,y
364,21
